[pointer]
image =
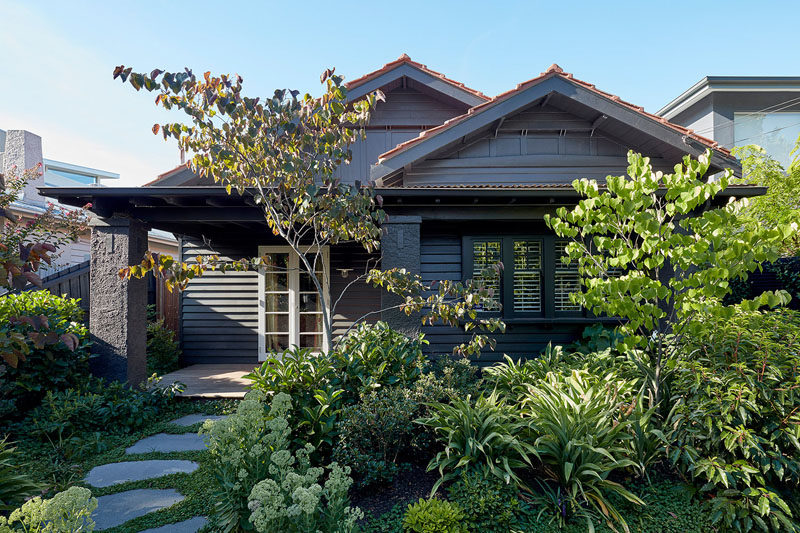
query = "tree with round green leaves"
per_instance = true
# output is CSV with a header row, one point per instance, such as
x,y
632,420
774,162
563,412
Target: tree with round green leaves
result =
x,y
658,251
781,204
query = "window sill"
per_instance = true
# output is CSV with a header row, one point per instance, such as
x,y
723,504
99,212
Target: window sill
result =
x,y
563,320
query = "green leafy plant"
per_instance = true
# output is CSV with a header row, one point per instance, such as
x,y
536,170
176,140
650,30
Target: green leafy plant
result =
x,y
66,512
74,418
374,433
163,350
372,356
483,433
649,251
307,378
735,427
15,485
581,437
261,484
51,365
434,516
489,504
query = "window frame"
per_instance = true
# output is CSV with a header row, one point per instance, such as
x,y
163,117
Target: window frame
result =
x,y
548,272
293,283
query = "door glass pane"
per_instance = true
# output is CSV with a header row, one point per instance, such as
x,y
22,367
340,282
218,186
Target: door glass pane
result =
x,y
566,279
311,341
307,284
277,343
277,302
310,322
276,266
484,255
277,323
309,301
527,276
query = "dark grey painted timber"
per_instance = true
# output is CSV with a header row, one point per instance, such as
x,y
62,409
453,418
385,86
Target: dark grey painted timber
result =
x,y
620,122
219,312
441,258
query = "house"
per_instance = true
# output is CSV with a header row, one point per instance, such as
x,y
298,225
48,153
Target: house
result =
x,y
742,110
466,180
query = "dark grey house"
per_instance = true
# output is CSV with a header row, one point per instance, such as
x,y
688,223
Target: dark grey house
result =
x,y
741,110
466,180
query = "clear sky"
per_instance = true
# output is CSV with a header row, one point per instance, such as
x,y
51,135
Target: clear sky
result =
x,y
56,57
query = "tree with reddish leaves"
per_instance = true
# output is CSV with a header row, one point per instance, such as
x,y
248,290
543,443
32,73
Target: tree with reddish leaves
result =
x,y
24,246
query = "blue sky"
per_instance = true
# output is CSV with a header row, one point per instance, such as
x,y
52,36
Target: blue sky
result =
x,y
56,57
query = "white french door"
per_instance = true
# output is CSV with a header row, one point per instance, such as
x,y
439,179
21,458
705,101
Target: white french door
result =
x,y
289,306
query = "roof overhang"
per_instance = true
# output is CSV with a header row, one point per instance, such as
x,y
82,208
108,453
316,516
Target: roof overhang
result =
x,y
711,84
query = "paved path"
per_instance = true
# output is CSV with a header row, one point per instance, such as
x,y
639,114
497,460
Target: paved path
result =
x,y
116,509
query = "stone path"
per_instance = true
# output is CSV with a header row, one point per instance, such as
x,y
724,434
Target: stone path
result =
x,y
116,509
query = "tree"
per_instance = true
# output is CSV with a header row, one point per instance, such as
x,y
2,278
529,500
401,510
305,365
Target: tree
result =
x,y
652,251
24,246
781,203
284,152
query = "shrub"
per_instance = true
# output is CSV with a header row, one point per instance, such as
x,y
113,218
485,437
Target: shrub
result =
x,y
736,422
374,432
374,356
434,516
306,378
15,485
581,438
66,512
67,417
163,350
369,358
260,483
489,504
51,366
484,433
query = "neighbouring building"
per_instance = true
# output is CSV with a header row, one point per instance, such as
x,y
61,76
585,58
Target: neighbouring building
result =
x,y
466,180
741,110
23,150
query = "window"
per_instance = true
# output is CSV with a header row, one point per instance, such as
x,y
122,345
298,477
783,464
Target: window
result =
x,y
775,132
535,283
290,310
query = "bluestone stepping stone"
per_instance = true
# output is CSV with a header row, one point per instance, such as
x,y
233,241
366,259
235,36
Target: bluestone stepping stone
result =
x,y
164,442
190,420
187,526
114,473
116,509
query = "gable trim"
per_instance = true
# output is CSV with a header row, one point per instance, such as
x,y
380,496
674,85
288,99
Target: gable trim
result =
x,y
405,66
485,115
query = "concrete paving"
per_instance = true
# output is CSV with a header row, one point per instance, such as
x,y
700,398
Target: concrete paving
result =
x,y
115,473
190,420
116,509
212,381
165,442
187,526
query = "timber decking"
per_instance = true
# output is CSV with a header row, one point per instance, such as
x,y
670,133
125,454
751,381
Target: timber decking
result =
x,y
212,381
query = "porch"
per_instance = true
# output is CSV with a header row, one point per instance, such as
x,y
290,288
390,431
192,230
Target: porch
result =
x,y
212,380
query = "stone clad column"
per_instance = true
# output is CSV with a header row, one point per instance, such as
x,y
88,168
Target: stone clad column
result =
x,y
117,315
400,248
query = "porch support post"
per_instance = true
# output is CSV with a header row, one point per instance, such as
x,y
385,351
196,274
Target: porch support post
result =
x,y
117,316
400,248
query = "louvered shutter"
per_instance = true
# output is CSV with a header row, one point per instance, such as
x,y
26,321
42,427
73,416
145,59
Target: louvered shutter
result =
x,y
566,279
527,276
484,255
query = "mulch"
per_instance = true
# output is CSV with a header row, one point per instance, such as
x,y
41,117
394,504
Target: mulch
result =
x,y
409,485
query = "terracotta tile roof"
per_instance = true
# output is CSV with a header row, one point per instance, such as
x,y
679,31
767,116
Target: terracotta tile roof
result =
x,y
167,174
407,60
552,71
